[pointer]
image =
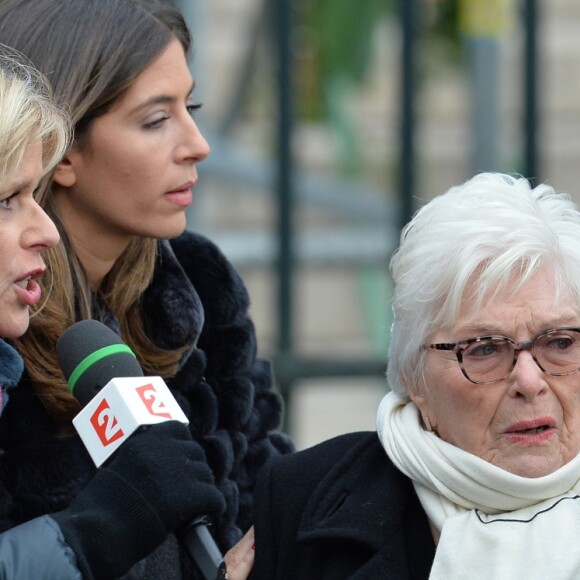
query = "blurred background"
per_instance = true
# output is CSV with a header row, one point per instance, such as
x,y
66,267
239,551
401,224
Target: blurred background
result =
x,y
330,122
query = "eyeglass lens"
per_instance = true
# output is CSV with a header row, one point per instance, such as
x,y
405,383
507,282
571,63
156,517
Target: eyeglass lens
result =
x,y
492,359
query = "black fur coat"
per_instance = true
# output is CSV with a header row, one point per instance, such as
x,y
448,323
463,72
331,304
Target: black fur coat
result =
x,y
224,389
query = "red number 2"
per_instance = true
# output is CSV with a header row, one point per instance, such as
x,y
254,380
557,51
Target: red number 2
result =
x,y
154,405
106,424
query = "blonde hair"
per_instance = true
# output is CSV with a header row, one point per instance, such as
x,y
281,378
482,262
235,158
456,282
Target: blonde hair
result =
x,y
28,114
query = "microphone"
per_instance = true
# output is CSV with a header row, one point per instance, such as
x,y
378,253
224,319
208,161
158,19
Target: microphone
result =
x,y
105,377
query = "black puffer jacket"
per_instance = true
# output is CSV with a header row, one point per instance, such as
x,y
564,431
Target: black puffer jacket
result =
x,y
223,388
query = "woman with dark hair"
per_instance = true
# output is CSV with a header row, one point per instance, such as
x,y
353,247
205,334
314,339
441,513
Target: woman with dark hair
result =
x,y
119,198
99,534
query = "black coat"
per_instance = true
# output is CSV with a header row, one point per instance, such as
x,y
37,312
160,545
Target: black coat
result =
x,y
339,510
223,388
36,549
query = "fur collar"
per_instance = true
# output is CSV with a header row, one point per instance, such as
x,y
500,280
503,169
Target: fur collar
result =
x,y
11,367
173,307
174,312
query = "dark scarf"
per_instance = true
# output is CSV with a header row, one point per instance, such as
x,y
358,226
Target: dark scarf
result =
x,y
11,367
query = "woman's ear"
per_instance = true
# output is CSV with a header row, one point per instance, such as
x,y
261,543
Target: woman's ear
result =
x,y
64,174
417,395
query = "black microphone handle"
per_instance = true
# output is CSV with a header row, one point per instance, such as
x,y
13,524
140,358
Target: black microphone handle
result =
x,y
202,548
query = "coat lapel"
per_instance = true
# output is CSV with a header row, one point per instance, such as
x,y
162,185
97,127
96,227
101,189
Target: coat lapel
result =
x,y
363,499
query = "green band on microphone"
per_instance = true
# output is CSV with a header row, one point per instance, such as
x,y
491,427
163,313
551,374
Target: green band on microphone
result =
x,y
95,357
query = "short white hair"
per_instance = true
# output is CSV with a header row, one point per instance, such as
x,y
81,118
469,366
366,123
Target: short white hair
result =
x,y
494,228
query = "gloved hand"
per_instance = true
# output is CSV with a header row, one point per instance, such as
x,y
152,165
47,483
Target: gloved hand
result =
x,y
157,481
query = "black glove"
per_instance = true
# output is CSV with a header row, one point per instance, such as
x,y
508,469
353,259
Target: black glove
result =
x,y
157,481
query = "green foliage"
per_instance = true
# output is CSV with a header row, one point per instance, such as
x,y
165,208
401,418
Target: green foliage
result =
x,y
339,38
345,30
446,21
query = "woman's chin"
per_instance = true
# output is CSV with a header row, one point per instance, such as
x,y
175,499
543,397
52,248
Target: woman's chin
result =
x,y
533,466
14,329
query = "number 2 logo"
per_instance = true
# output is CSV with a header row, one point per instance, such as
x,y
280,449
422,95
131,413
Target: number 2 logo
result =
x,y
105,424
151,400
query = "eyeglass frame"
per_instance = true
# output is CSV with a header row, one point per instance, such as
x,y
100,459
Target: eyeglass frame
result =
x,y
518,347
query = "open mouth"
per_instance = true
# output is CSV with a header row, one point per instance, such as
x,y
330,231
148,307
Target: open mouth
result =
x,y
30,291
533,430
24,283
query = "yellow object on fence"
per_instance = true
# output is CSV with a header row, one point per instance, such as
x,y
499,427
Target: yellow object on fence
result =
x,y
486,18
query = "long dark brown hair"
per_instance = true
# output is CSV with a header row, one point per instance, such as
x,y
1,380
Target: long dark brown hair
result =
x,y
91,51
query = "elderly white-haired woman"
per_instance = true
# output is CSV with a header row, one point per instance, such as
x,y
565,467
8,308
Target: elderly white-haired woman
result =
x,y
475,470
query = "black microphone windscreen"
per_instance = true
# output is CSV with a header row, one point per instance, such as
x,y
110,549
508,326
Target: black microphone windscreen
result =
x,y
90,354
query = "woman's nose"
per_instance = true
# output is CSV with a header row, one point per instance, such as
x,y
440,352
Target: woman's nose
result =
x,y
527,379
39,232
195,147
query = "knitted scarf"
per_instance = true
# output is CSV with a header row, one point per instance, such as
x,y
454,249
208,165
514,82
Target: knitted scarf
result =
x,y
493,524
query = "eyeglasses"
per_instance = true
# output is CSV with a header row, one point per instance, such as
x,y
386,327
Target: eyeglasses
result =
x,y
489,359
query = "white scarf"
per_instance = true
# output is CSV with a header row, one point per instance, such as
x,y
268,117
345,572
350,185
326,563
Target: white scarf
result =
x,y
493,524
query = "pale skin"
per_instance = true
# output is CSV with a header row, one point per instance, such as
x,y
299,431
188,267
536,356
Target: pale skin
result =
x,y
499,422
25,232
240,559
135,173
496,422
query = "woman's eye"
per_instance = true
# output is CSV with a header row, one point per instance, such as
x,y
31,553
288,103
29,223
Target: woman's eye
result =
x,y
6,203
560,342
157,122
482,349
191,109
